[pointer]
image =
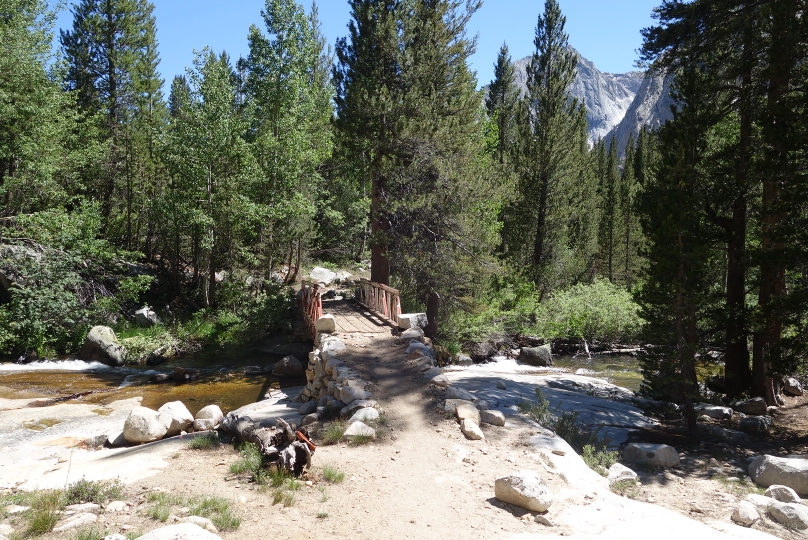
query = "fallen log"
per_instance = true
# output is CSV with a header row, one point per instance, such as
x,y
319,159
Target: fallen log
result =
x,y
282,445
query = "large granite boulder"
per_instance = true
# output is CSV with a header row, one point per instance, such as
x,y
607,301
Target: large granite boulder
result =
x,y
471,430
468,411
102,345
793,516
145,317
326,323
792,387
655,455
289,367
783,494
755,406
323,275
412,320
208,418
536,356
145,425
771,470
620,473
745,514
178,416
525,489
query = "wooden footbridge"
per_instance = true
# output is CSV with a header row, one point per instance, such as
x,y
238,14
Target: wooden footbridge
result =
x,y
374,310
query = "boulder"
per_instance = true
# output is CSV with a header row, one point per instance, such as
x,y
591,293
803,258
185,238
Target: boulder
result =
x,y
326,323
790,472
413,333
481,404
713,411
145,317
792,387
350,393
208,418
783,494
178,416
323,275
181,531
364,415
463,360
755,424
309,419
536,356
355,406
412,320
745,514
116,439
441,380
358,429
471,430
145,425
466,411
76,520
655,455
289,367
620,473
203,522
433,372
117,506
451,405
422,348
495,418
480,352
525,489
459,393
760,502
308,408
793,516
755,406
103,346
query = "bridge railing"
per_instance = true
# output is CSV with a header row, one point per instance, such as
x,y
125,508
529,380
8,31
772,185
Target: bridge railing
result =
x,y
311,298
382,300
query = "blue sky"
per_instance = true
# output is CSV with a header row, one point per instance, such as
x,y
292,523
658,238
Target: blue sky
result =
x,y
606,32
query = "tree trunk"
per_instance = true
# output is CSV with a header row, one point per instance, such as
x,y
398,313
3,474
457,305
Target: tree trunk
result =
x,y
432,310
379,263
736,361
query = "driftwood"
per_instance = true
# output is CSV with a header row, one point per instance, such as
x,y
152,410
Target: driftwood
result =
x,y
282,445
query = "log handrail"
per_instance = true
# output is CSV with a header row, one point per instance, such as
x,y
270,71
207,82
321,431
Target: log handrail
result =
x,y
382,300
312,305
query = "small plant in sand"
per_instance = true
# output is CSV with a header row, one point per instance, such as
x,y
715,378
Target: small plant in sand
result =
x,y
332,474
334,433
539,410
599,460
626,488
206,441
46,507
95,492
250,460
89,534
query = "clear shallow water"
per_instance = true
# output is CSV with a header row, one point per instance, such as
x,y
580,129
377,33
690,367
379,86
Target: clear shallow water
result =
x,y
620,370
221,382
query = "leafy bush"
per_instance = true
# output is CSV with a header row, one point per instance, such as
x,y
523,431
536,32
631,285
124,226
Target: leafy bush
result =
x,y
568,428
539,410
599,460
599,311
91,491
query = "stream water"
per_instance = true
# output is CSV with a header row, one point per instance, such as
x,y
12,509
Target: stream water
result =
x,y
229,384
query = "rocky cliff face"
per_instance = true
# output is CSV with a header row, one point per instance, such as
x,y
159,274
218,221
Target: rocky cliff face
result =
x,y
617,104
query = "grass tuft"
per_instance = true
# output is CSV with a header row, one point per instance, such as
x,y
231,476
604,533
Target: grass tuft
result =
x,y
206,441
89,534
46,507
332,474
361,440
250,460
334,433
322,515
626,488
96,492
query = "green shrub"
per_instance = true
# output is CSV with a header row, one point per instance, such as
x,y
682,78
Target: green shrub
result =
x,y
568,428
250,460
598,311
205,441
539,410
599,460
91,491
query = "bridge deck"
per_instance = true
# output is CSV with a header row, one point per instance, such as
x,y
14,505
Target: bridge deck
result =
x,y
353,318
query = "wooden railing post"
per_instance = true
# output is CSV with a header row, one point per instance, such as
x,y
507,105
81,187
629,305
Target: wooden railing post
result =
x,y
382,300
311,298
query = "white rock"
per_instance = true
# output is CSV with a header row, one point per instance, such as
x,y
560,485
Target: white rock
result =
x,y
451,405
351,393
459,393
760,502
465,411
655,455
413,333
145,425
82,507
116,536
745,514
16,509
326,323
783,494
203,522
210,412
323,275
463,360
433,372
360,429
525,489
792,387
793,516
420,347
204,424
77,520
495,418
117,506
364,415
181,531
755,406
412,320
713,411
6,529
145,317
772,470
178,415
471,430
441,380
620,473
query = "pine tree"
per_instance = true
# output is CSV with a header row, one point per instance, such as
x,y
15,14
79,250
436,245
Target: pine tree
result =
x,y
368,107
501,102
609,212
550,158
112,59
